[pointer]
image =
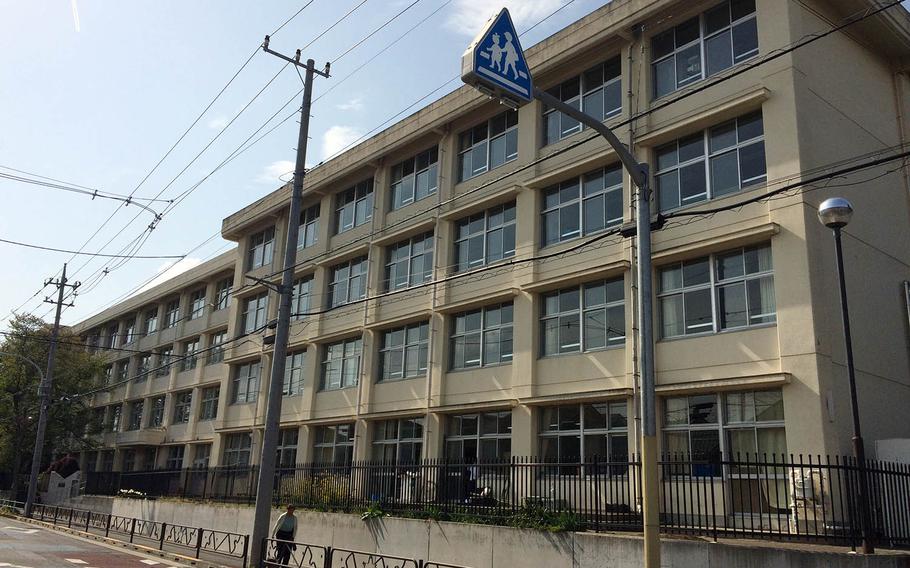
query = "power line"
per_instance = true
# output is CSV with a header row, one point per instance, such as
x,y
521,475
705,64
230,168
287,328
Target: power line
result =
x,y
67,186
84,253
374,32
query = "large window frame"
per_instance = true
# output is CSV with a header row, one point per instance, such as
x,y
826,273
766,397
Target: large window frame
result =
x,y
308,233
488,145
175,457
482,337
703,46
403,352
255,312
707,294
262,249
286,449
208,404
137,408
334,444
301,295
216,347
171,313
414,179
197,304
586,433
409,262
354,206
165,354
485,237
292,383
189,359
583,318
151,321
348,281
183,402
484,437
341,364
398,441
237,449
223,293
725,159
597,92
245,382
581,206
156,417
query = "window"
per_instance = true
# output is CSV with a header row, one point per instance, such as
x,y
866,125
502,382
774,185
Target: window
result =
x,y
245,386
734,289
415,178
488,145
151,320
287,447
308,233
482,437
334,444
486,237
262,245
171,313
586,433
136,409
112,335
189,354
197,304
129,331
349,282
129,460
164,361
223,293
201,455
216,347
583,318
582,206
398,441
108,374
482,337
91,461
143,368
123,370
208,409
115,417
404,352
182,402
156,420
596,92
255,311
107,460
237,449
354,206
409,262
735,160
727,34
175,457
341,366
752,421
293,374
300,297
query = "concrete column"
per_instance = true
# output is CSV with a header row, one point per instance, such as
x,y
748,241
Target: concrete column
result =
x,y
525,421
363,437
524,344
434,435
312,368
438,364
369,369
305,438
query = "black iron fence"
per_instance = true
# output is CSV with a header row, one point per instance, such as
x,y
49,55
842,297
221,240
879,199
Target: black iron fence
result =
x,y
195,540
773,497
286,554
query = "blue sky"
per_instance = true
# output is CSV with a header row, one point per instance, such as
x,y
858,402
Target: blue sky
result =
x,y
94,92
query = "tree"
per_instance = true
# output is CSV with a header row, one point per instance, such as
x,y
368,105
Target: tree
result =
x,y
71,422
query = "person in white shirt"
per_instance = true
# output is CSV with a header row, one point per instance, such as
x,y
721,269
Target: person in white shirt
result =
x,y
284,531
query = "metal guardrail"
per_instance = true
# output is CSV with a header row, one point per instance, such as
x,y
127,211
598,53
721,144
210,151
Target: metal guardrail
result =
x,y
17,506
195,539
286,554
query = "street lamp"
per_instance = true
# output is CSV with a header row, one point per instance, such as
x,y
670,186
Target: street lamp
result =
x,y
835,213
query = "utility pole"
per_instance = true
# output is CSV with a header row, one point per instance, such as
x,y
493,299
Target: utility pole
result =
x,y
44,391
265,483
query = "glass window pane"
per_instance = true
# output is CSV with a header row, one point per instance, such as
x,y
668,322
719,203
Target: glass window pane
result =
x,y
550,337
569,417
594,213
724,174
696,272
722,136
595,416
703,409
668,191
676,444
745,40
740,407
616,324
687,31
595,294
761,300
569,448
752,166
718,53
596,447
664,77
688,64
691,147
595,330
593,104
717,18
662,44
692,184
769,405
729,265
741,8
705,444
731,301
771,442
742,444
698,311
676,411
569,331
569,299
619,414
671,316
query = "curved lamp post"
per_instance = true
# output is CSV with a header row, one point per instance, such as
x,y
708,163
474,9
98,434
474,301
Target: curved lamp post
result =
x,y
835,213
33,477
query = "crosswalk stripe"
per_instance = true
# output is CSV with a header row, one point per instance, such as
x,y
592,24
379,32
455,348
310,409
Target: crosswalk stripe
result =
x,y
75,561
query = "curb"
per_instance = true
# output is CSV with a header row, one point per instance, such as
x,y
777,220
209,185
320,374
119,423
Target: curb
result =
x,y
163,554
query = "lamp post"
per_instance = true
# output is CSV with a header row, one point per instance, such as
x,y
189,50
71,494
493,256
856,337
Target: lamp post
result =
x,y
835,213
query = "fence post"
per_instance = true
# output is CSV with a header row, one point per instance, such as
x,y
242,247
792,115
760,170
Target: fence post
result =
x,y
328,557
56,512
199,540
88,518
69,523
246,547
132,529
107,526
161,536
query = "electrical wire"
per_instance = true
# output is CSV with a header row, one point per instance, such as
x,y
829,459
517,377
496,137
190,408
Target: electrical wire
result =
x,y
17,243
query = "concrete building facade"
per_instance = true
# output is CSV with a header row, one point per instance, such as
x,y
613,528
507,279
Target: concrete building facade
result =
x,y
462,289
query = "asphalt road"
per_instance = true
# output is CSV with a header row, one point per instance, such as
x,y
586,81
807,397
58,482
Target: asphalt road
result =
x,y
29,546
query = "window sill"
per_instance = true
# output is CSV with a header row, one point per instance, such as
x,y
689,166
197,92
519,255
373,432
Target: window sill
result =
x,y
479,367
337,389
401,380
589,351
721,332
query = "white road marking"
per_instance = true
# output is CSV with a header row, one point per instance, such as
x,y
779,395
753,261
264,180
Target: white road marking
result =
x,y
8,565
21,530
150,562
75,561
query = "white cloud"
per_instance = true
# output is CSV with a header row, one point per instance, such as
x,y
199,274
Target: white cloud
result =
x,y
355,104
218,122
276,172
338,137
469,16
170,269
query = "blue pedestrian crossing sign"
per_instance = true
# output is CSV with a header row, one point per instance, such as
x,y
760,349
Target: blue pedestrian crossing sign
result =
x,y
495,63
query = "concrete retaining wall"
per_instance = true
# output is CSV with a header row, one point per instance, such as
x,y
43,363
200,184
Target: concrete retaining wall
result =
x,y
482,546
